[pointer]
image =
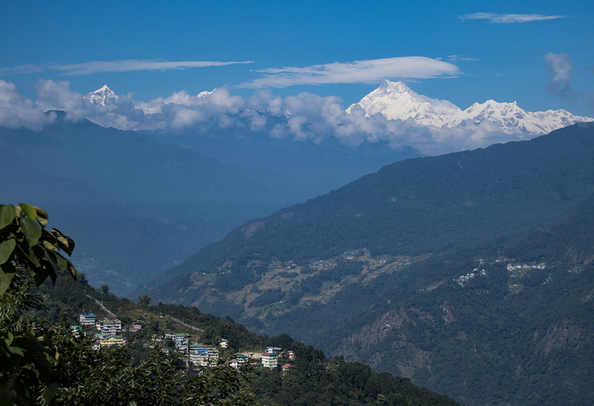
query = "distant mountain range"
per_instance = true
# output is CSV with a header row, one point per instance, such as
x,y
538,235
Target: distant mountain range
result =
x,y
138,203
396,101
392,116
471,272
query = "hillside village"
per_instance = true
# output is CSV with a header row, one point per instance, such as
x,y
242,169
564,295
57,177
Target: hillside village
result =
x,y
320,280
276,278
111,333
515,272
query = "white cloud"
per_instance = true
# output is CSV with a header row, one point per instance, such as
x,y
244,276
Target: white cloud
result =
x,y
58,96
17,111
508,18
461,58
128,65
21,69
560,68
366,71
301,117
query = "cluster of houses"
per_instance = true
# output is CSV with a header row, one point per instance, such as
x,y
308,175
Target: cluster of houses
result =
x,y
109,330
276,264
323,264
268,359
465,278
198,355
519,267
359,255
516,270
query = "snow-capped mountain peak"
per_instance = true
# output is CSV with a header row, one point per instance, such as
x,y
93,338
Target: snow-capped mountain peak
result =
x,y
205,93
396,101
103,97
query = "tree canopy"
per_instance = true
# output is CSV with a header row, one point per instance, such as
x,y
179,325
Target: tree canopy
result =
x,y
49,364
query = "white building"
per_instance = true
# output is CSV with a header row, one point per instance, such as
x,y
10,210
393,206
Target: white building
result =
x,y
202,357
87,319
182,340
111,327
269,360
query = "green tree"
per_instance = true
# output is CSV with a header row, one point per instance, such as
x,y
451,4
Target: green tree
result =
x,y
144,300
52,364
29,254
110,376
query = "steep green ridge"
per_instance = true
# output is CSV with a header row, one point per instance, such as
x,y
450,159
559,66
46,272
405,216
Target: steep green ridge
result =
x,y
393,246
521,336
313,380
415,207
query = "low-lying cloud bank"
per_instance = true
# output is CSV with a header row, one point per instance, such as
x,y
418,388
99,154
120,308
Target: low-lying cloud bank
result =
x,y
302,117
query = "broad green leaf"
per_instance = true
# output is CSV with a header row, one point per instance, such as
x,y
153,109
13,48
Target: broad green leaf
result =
x,y
41,216
40,275
7,267
5,279
9,338
62,263
7,215
51,391
52,273
27,342
34,255
63,241
72,270
29,211
49,246
32,231
17,351
49,237
6,248
59,261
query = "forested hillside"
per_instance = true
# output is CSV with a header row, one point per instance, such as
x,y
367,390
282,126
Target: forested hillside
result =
x,y
471,273
49,356
313,379
168,195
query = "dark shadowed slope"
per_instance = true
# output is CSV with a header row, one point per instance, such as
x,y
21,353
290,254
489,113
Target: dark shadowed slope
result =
x,y
472,273
418,206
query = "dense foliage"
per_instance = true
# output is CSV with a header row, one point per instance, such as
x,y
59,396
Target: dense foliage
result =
x,y
47,362
313,380
114,377
50,364
310,382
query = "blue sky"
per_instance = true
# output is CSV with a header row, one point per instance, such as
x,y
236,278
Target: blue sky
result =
x,y
274,34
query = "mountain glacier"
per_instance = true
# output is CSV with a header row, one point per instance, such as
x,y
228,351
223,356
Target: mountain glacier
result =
x,y
392,113
103,97
396,101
